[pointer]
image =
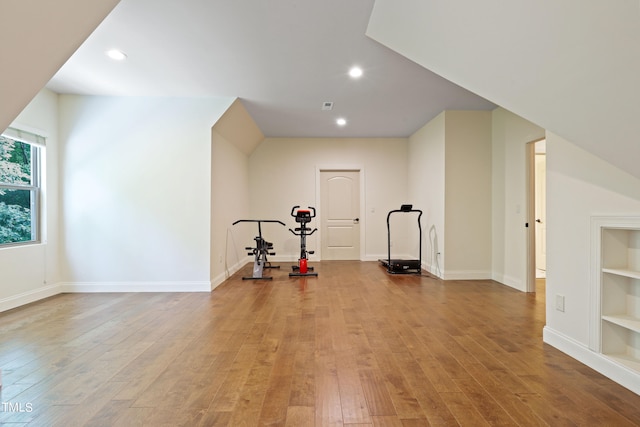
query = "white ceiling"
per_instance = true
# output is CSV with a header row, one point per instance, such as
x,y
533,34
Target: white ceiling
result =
x,y
283,58
571,67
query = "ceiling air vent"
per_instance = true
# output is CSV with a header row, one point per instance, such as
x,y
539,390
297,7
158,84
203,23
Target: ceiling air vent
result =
x,y
327,105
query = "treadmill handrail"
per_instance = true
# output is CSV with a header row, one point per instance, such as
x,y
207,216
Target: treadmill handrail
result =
x,y
389,235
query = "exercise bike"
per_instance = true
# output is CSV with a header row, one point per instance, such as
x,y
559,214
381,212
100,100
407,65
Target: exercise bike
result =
x,y
261,250
303,217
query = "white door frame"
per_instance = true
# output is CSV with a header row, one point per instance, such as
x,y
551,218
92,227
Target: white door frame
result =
x,y
353,168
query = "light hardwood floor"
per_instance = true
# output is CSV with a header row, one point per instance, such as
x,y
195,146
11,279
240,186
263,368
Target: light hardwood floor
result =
x,y
352,347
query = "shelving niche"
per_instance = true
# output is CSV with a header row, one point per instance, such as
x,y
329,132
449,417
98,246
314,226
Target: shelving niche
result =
x,y
620,295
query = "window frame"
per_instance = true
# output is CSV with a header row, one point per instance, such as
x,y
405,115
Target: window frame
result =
x,y
37,145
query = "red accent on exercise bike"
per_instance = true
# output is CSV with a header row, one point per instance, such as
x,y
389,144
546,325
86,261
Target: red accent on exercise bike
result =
x,y
303,266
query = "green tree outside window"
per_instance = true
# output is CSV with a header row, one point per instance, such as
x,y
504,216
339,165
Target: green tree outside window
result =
x,y
17,191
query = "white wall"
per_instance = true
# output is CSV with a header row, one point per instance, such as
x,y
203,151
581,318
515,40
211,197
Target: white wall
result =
x,y
426,189
283,174
579,186
29,273
136,192
233,139
450,176
468,194
229,203
510,134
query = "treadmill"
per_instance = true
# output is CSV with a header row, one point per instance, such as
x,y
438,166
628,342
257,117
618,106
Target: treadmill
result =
x,y
403,266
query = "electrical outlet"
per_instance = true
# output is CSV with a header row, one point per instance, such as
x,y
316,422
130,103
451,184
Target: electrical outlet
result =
x,y
560,303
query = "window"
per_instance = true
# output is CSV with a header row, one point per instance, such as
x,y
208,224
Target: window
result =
x,y
19,187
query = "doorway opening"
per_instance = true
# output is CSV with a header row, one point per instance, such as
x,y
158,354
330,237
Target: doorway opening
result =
x,y
536,216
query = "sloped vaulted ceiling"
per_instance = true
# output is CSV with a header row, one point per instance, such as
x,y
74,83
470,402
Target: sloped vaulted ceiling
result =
x,y
572,67
49,32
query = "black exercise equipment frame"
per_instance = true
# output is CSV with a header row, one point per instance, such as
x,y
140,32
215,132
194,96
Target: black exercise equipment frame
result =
x,y
261,251
403,266
303,229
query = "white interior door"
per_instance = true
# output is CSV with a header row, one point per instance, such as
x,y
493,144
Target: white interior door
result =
x,y
541,208
340,214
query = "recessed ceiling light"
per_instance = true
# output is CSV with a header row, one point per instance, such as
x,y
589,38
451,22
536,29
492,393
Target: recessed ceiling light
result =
x,y
355,72
341,121
116,55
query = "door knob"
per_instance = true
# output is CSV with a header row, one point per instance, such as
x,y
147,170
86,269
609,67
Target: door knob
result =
x,y
356,220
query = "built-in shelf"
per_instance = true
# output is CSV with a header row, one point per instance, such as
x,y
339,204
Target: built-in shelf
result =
x,y
620,272
614,324
626,321
620,295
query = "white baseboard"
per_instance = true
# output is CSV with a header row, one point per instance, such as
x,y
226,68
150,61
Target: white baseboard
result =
x,y
90,287
24,298
512,282
607,367
467,275
444,275
29,297
230,271
436,274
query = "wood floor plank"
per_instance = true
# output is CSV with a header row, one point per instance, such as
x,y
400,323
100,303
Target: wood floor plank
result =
x,y
553,415
111,412
303,377
484,402
443,363
327,404
218,419
352,347
436,411
416,422
375,391
463,410
615,396
76,388
229,392
386,421
564,408
352,399
404,401
300,416
498,385
253,392
593,409
204,387
276,401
